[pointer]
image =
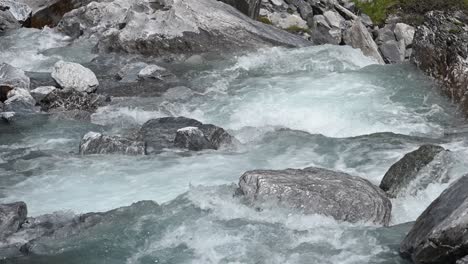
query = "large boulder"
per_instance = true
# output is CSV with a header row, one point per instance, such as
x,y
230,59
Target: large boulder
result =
x,y
49,12
19,10
403,172
161,133
97,143
323,33
169,27
439,235
440,50
356,35
12,216
8,21
248,7
318,191
70,75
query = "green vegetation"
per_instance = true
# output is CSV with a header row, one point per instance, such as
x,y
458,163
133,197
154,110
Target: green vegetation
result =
x,y
265,20
296,29
411,10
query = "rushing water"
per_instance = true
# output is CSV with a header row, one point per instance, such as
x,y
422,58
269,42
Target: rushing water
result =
x,y
325,106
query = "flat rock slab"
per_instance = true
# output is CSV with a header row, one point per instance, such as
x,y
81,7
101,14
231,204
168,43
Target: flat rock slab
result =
x,y
319,191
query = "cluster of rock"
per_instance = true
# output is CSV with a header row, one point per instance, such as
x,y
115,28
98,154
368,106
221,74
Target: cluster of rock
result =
x,y
74,92
159,134
338,23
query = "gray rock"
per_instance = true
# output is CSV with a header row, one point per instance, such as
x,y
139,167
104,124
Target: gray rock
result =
x,y
97,143
12,216
440,50
156,72
160,133
13,77
304,8
318,191
70,75
41,92
322,33
191,138
248,7
129,72
8,21
67,100
400,174
463,260
404,32
19,10
187,26
392,52
439,234
357,36
20,101
334,19
385,34
366,20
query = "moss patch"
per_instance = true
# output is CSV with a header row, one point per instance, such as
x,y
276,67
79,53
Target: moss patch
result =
x,y
265,20
297,30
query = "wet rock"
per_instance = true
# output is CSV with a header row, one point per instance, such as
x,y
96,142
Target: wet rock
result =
x,y
74,76
156,72
392,51
161,133
357,36
440,50
439,234
97,143
8,21
49,12
12,216
129,72
67,100
318,191
41,92
13,78
20,101
19,10
405,33
186,26
334,19
191,138
400,174
248,7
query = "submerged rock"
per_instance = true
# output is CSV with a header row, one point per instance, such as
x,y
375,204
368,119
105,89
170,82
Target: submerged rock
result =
x,y
156,72
74,76
12,216
161,133
192,138
400,174
439,234
319,191
68,100
179,26
440,50
97,143
41,92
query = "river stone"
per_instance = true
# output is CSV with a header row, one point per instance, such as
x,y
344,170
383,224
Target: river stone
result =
x,y
439,235
97,143
8,21
70,75
13,77
319,191
357,36
385,34
322,33
160,133
41,92
20,101
334,19
305,9
392,51
11,217
156,72
68,100
404,32
183,27
19,10
406,169
191,138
